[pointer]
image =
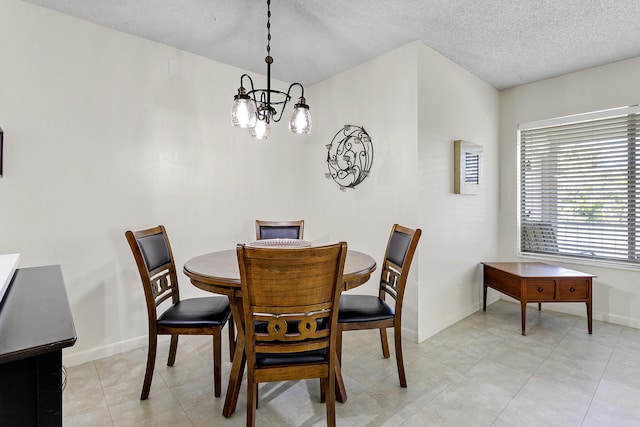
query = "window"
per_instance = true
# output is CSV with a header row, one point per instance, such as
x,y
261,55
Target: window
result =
x,y
579,184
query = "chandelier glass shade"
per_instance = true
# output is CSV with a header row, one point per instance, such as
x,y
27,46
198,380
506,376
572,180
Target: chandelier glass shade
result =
x,y
256,109
300,121
244,113
261,130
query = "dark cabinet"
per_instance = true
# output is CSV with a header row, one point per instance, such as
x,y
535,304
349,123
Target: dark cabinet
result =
x,y
35,325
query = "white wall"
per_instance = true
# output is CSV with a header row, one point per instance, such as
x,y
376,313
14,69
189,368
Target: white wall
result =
x,y
106,132
381,96
459,230
414,104
616,294
101,138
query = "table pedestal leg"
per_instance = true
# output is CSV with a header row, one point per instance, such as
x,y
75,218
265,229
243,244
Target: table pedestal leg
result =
x,y
341,391
239,359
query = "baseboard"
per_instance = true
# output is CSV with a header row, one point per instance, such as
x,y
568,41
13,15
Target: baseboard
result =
x,y
96,353
409,334
450,320
578,309
618,320
81,357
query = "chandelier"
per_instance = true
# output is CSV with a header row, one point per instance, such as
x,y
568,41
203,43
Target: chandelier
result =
x,y
257,108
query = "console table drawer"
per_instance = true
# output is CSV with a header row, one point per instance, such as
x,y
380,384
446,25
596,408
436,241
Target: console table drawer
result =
x,y
573,289
542,289
506,284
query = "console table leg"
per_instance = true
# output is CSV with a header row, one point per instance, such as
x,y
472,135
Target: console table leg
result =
x,y
484,297
523,310
589,318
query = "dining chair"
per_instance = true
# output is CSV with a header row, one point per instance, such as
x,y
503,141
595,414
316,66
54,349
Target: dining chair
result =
x,y
358,312
279,229
194,316
290,303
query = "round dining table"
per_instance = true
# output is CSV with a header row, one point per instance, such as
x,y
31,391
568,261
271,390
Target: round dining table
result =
x,y
218,272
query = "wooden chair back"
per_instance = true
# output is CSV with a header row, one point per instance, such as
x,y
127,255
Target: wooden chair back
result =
x,y
398,256
279,229
290,306
154,259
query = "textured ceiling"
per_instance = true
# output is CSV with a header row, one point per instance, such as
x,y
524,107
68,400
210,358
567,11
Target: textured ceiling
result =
x,y
503,42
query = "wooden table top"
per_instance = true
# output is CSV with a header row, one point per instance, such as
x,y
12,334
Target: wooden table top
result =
x,y
220,269
535,270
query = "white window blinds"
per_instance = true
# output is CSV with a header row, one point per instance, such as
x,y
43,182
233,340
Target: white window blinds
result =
x,y
579,186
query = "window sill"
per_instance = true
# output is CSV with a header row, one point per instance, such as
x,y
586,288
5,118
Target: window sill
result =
x,y
618,265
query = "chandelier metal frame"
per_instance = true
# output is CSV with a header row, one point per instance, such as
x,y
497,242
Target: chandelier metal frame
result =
x,y
270,103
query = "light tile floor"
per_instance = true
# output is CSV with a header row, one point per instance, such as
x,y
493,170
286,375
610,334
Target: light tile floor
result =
x,y
478,372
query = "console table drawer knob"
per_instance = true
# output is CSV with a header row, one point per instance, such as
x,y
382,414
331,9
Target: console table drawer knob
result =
x,y
541,289
572,289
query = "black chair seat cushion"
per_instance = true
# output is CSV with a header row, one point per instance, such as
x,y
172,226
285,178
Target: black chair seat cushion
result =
x,y
363,308
197,313
264,359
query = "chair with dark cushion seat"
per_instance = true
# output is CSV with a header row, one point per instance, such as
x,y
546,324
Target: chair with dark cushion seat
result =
x,y
279,229
358,312
290,308
194,316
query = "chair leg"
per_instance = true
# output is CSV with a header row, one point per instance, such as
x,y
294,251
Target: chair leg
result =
x,y
385,343
217,361
173,349
251,401
232,338
339,344
257,396
323,390
397,335
151,362
331,396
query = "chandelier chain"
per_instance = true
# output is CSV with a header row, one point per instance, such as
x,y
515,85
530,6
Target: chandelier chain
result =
x,y
268,27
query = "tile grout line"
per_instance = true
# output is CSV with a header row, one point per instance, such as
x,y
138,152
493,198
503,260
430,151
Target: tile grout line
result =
x,y
532,374
601,376
104,395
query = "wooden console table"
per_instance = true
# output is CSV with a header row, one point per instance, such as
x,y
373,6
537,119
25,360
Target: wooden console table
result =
x,y
538,282
35,325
